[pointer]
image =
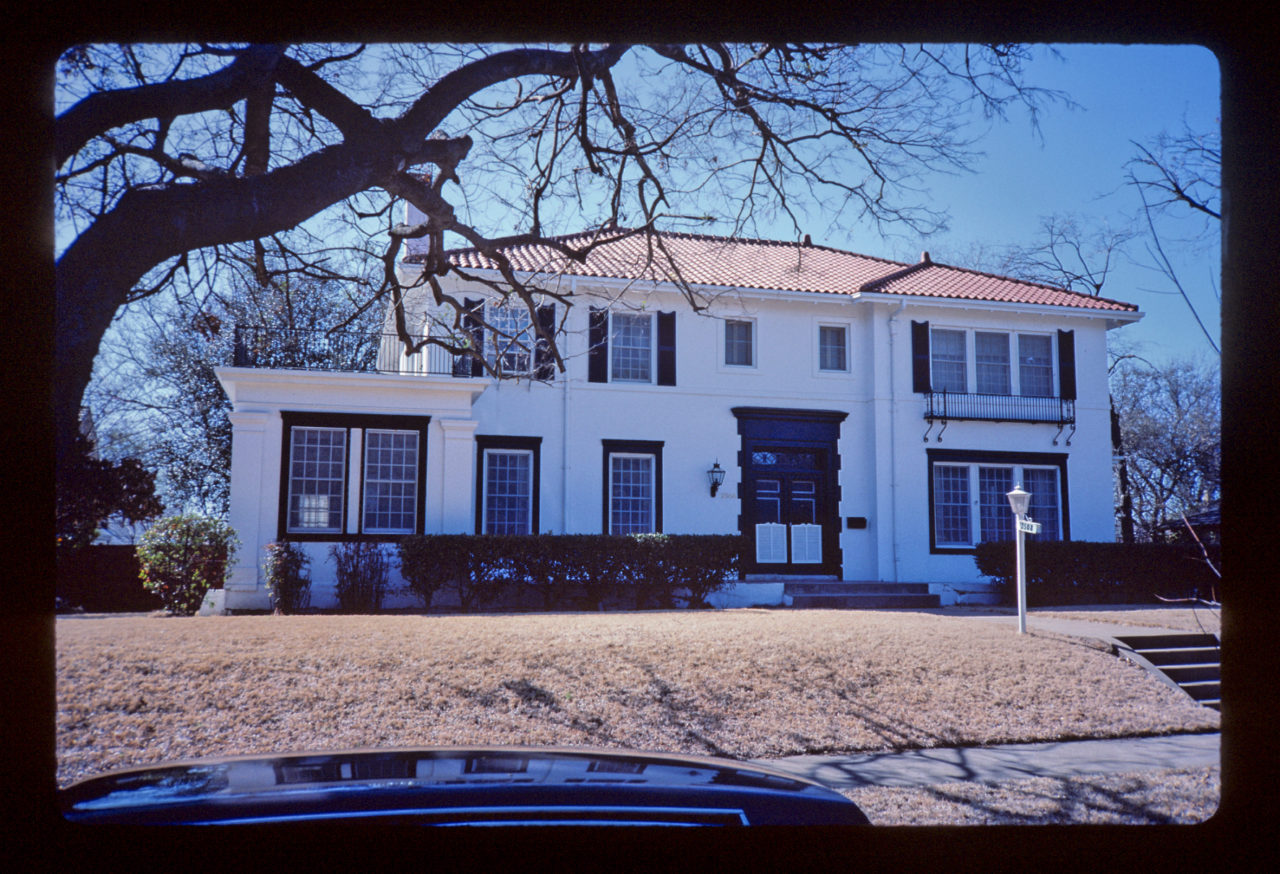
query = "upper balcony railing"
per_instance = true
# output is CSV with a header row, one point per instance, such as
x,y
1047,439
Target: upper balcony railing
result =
x,y
343,351
946,405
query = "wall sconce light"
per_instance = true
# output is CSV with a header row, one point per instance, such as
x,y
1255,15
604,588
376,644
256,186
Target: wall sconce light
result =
x,y
715,476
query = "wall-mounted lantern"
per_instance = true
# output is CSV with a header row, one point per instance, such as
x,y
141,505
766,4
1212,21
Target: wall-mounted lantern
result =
x,y
715,476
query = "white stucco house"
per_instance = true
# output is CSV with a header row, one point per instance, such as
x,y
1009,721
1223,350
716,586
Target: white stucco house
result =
x,y
869,417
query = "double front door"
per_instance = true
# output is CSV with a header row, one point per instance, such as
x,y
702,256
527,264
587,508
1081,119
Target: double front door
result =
x,y
788,503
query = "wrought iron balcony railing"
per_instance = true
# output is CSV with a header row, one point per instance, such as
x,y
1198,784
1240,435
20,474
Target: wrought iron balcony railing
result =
x,y
343,351
944,405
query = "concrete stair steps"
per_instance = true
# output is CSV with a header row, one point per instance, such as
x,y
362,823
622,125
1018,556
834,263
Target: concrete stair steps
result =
x,y
854,595
1191,662
851,588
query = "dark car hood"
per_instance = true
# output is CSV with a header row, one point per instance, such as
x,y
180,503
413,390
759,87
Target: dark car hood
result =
x,y
459,786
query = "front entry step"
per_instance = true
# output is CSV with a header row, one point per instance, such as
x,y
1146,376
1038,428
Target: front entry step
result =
x,y
1189,661
847,595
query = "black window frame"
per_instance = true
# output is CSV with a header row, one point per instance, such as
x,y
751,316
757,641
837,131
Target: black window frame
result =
x,y
291,419
996,459
631,447
486,442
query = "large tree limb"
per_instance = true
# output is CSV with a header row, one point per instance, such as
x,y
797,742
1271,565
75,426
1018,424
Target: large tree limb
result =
x,y
104,110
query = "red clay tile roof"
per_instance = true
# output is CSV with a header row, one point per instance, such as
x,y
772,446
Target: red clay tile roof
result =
x,y
764,264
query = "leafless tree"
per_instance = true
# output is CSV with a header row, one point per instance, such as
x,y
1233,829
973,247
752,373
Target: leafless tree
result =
x,y
1170,418
1180,177
176,163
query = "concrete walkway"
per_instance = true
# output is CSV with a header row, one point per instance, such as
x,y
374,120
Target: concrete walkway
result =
x,y
1014,761
1008,762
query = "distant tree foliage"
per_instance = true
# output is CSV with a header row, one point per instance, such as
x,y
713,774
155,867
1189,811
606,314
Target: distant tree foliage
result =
x,y
1170,421
91,490
160,395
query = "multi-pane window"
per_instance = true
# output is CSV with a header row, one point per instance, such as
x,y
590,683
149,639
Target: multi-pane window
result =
x,y
992,354
951,517
390,481
631,494
631,347
947,350
317,474
512,338
833,352
1042,483
738,343
958,516
991,361
1035,365
508,491
345,474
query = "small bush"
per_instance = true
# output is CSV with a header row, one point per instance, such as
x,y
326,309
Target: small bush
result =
x,y
362,576
285,569
181,557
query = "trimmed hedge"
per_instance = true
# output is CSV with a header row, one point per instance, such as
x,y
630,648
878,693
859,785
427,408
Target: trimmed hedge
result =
x,y
1078,572
571,571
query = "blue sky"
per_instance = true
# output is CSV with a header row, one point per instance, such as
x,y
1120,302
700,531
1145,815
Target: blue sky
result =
x,y
1125,93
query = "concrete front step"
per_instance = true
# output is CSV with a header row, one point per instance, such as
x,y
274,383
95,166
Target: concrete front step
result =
x,y
820,587
1140,642
1170,657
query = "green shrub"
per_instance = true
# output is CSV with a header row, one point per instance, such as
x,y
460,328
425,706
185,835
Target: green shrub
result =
x,y
289,584
362,570
1080,572
181,557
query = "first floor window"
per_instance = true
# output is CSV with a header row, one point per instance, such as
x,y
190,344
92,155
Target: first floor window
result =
x,y
632,486
348,474
833,352
631,494
969,496
390,481
508,491
317,479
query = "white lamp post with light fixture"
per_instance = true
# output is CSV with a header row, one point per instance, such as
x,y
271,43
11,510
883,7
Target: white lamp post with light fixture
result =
x,y
1020,501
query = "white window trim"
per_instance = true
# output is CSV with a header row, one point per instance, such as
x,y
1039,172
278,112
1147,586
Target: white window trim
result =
x,y
1015,369
289,490
653,487
975,498
723,345
653,348
361,486
847,327
484,498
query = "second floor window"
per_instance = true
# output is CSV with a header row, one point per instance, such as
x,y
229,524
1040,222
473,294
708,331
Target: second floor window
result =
x,y
833,352
512,338
993,370
631,347
738,343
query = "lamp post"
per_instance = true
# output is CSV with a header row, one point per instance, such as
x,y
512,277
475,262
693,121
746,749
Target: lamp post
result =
x,y
1020,500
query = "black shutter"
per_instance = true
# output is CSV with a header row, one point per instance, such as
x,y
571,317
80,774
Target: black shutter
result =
x,y
920,357
477,336
1067,365
598,343
666,348
463,365
544,366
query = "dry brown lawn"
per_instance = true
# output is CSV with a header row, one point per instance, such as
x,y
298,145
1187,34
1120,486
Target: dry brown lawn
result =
x,y
1159,797
133,690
